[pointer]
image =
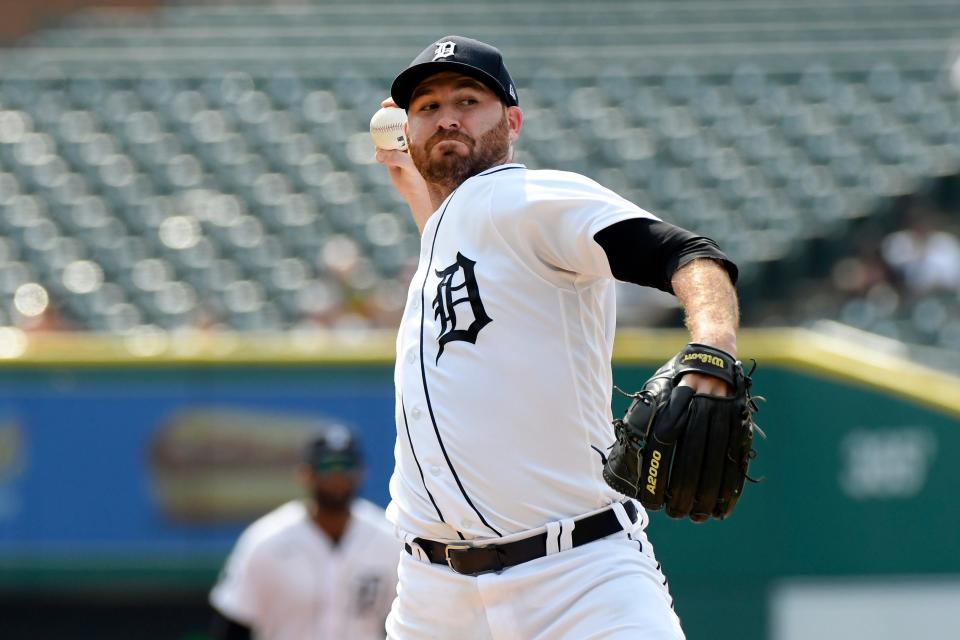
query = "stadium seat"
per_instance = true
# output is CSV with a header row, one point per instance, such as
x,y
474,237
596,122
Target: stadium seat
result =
x,y
245,128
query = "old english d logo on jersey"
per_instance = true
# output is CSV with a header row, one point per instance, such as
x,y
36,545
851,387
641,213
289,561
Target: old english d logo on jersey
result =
x,y
458,286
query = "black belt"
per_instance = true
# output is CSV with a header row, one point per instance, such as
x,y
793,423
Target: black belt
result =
x,y
474,561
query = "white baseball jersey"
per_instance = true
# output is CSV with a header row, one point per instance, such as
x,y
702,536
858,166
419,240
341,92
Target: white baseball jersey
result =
x,y
503,371
286,580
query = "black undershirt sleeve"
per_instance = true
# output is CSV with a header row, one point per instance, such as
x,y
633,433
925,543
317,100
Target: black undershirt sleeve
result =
x,y
224,628
648,252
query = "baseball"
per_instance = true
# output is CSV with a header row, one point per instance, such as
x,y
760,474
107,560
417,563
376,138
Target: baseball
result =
x,y
386,128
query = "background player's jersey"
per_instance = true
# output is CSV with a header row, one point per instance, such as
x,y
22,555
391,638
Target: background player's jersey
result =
x,y
503,357
287,581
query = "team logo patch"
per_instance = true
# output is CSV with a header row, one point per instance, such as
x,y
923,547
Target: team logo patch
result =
x,y
367,588
444,49
458,288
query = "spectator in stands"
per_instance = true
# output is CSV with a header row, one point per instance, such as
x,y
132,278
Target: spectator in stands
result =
x,y
954,71
925,258
865,269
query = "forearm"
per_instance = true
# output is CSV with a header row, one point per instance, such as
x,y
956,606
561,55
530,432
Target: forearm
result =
x,y
409,184
421,208
709,301
654,253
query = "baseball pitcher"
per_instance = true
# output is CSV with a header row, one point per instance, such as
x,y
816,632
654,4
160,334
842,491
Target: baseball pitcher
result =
x,y
517,502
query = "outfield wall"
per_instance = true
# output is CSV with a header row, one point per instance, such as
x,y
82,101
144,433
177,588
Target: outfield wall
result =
x,y
132,465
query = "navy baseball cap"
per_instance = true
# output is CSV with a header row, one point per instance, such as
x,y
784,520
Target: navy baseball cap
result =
x,y
462,55
333,449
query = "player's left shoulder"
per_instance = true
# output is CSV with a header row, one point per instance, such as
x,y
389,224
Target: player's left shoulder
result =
x,y
372,521
568,185
556,178
515,191
370,515
273,524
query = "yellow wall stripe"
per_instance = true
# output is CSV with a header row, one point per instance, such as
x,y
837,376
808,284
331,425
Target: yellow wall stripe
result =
x,y
818,354
807,351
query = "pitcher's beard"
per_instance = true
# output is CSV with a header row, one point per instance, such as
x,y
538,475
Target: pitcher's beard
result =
x,y
451,169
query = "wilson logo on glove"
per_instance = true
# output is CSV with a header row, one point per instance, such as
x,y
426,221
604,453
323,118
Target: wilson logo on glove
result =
x,y
705,358
689,452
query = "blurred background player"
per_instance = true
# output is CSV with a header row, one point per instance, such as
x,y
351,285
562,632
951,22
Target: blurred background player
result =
x,y
322,568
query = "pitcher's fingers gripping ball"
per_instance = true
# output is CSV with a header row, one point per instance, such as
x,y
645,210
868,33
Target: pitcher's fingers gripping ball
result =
x,y
386,129
684,451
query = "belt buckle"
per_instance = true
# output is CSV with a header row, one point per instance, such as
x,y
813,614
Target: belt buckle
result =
x,y
454,547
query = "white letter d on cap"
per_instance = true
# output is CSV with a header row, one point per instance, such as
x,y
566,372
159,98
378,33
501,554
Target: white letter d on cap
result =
x,y
444,50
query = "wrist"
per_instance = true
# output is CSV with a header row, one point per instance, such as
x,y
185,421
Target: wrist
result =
x,y
723,342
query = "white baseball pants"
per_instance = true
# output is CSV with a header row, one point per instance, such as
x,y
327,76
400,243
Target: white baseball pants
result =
x,y
611,589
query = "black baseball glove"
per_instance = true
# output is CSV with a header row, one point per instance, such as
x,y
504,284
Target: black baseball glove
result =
x,y
686,451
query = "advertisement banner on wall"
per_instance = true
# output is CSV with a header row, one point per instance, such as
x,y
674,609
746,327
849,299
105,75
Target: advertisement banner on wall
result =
x,y
153,461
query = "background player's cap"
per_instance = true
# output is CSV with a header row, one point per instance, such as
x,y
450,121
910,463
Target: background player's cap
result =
x,y
463,55
333,449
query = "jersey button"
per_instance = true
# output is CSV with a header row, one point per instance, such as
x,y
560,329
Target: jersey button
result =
x,y
412,357
415,413
466,523
435,470
416,303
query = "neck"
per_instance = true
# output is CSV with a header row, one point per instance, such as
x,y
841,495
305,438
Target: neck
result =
x,y
332,523
440,191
